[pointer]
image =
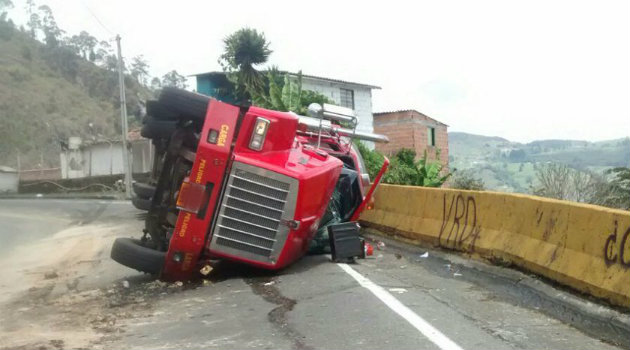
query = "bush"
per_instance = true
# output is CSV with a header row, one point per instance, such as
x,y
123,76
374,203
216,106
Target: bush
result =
x,y
19,74
404,169
562,182
373,160
466,180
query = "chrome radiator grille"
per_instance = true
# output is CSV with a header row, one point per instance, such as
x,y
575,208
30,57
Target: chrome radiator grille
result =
x,y
254,205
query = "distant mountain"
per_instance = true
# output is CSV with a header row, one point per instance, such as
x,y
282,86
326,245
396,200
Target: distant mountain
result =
x,y
509,166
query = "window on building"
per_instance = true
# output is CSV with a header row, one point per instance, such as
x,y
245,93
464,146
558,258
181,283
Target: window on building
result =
x,y
346,97
431,136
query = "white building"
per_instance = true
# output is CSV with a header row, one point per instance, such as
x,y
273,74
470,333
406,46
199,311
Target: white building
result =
x,y
9,180
104,158
357,96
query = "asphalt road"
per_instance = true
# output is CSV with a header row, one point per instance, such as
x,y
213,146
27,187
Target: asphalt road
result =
x,y
61,290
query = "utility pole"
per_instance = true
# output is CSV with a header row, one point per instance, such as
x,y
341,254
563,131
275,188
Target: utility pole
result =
x,y
123,118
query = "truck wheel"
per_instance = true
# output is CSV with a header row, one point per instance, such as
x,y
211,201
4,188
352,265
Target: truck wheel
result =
x,y
143,190
158,129
185,103
157,110
131,253
141,203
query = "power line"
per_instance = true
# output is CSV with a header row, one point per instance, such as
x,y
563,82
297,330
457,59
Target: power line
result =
x,y
96,17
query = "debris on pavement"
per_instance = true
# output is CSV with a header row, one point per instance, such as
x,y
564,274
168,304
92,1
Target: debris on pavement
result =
x,y
206,269
398,290
368,249
125,284
425,255
380,245
457,274
270,283
398,256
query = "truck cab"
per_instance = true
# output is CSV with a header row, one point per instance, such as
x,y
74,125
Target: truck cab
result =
x,y
248,184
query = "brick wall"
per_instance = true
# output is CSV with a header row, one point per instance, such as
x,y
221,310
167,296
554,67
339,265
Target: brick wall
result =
x,y
409,129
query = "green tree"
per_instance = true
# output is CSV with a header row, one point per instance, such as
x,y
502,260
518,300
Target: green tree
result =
x,y
140,69
244,49
34,22
272,89
174,79
110,63
84,44
52,32
101,51
156,84
5,6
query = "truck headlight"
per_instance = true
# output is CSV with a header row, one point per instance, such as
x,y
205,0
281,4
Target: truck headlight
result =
x,y
258,136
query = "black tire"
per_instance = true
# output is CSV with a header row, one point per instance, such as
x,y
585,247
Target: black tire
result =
x,y
143,190
131,253
186,104
158,129
158,111
141,203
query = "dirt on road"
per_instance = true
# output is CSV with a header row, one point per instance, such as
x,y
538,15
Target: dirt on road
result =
x,y
64,292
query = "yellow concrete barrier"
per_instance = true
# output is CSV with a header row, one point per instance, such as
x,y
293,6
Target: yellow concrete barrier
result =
x,y
585,247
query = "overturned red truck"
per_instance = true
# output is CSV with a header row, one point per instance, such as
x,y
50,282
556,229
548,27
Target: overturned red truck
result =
x,y
243,183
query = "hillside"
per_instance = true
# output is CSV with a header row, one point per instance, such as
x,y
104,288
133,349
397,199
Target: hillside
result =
x,y
50,93
509,166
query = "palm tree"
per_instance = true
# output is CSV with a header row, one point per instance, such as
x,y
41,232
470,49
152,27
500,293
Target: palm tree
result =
x,y
245,49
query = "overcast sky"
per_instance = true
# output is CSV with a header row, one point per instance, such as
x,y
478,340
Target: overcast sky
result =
x,y
521,70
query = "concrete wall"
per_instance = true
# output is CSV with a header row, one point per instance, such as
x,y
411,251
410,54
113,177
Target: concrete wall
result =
x,y
9,182
409,129
142,156
585,247
105,159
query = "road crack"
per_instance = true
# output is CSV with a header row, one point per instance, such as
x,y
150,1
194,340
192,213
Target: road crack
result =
x,y
266,288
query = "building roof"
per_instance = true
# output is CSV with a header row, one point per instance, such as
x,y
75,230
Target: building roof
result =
x,y
217,73
376,114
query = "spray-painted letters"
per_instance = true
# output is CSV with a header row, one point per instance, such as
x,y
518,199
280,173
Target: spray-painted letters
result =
x,y
460,228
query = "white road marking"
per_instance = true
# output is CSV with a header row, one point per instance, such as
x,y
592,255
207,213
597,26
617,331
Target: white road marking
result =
x,y
432,333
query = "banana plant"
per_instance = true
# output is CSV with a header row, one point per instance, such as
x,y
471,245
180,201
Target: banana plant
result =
x,y
285,98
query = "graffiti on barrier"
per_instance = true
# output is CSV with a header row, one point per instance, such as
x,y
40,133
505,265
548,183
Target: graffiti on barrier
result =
x,y
459,222
617,248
